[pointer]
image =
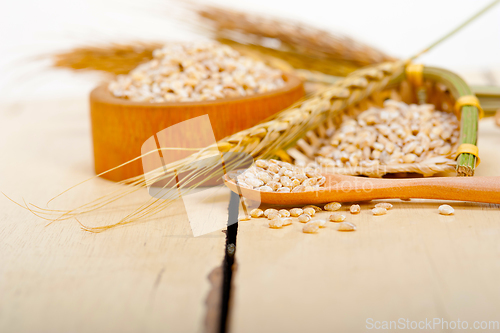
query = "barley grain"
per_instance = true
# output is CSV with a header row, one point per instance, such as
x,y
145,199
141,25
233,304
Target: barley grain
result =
x,y
262,164
304,218
385,205
256,213
276,223
409,158
310,228
337,217
309,211
264,176
295,212
333,206
379,211
273,215
319,222
274,168
254,182
446,210
355,209
265,188
316,208
269,211
300,188
284,213
346,226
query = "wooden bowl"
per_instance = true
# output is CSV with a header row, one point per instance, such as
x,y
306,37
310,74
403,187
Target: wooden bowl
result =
x,y
120,127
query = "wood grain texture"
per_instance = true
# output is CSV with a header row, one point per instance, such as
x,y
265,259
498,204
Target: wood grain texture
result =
x,y
147,277
120,127
411,263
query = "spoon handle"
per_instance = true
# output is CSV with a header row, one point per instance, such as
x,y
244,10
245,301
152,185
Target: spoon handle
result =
x,y
476,189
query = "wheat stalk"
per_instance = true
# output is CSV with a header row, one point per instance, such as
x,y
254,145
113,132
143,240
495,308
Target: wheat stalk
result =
x,y
260,141
290,61
291,37
300,46
281,131
115,58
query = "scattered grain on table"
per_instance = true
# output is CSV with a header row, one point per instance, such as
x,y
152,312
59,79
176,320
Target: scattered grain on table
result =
x,y
310,228
284,213
319,222
333,206
379,211
337,217
304,218
255,213
316,208
446,210
385,205
309,211
296,212
275,223
355,209
269,211
346,226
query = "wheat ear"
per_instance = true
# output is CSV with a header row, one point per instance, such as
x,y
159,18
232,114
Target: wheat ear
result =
x,y
260,141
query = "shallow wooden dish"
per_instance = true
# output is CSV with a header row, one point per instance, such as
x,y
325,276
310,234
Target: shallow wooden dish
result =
x,y
120,127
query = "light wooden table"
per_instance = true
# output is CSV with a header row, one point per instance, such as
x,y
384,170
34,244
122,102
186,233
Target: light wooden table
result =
x,y
147,277
155,277
411,263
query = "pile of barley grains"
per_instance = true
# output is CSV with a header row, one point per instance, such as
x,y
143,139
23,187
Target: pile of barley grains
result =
x,y
202,71
283,177
398,133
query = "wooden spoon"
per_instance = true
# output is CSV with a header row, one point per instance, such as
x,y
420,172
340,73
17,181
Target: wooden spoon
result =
x,y
349,188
